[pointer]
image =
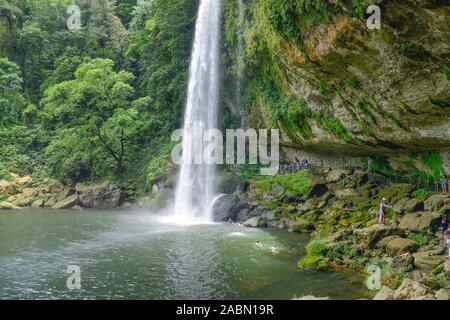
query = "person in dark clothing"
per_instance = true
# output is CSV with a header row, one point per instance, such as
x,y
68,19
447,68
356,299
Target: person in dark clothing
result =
x,y
444,223
444,184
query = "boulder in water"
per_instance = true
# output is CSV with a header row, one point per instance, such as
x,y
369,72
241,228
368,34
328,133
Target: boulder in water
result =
x,y
103,195
256,222
7,205
226,207
67,203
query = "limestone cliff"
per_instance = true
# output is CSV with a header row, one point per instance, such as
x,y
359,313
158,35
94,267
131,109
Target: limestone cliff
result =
x,y
333,86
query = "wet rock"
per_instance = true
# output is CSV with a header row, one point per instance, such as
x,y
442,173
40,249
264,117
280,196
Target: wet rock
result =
x,y
385,293
420,221
126,205
225,207
256,222
67,203
103,195
4,205
37,203
409,289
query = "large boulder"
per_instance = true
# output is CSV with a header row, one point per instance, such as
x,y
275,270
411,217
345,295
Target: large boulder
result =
x,y
420,221
4,205
370,236
398,246
225,207
256,222
409,289
23,181
414,205
436,202
37,203
103,195
311,298
6,188
427,260
22,201
67,203
385,293
336,175
231,183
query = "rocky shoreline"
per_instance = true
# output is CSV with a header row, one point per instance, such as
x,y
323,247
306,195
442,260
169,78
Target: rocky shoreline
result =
x,y
339,209
20,192
336,206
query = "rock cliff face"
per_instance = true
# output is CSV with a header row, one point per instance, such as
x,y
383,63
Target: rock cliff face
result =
x,y
334,86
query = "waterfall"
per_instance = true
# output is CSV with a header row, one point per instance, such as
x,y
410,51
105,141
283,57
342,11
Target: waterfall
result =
x,y
195,189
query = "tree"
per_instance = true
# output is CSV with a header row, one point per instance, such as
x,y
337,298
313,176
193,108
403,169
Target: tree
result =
x,y
94,112
12,101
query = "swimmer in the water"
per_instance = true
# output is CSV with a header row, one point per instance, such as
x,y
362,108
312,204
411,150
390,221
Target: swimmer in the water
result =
x,y
258,243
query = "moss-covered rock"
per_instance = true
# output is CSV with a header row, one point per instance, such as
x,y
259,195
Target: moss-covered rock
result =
x,y
302,226
398,246
316,263
420,221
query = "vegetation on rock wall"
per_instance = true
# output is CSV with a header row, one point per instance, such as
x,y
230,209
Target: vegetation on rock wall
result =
x,y
96,103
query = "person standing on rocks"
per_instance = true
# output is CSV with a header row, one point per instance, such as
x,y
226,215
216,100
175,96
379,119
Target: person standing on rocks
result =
x,y
447,240
383,211
444,184
369,165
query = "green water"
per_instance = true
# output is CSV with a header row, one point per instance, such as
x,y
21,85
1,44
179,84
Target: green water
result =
x,y
131,255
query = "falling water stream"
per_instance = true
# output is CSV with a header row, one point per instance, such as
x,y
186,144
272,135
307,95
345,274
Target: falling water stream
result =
x,y
195,190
